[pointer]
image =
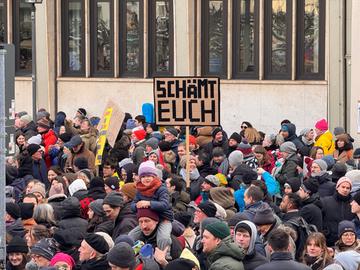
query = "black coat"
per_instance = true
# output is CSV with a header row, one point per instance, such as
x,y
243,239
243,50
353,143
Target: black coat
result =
x,y
289,169
337,209
93,264
282,261
39,171
29,130
125,221
195,187
224,144
311,211
96,193
71,219
251,261
326,186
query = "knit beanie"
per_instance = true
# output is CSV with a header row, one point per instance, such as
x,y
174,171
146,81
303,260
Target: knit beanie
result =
x,y
164,146
17,245
124,238
81,163
147,168
218,152
35,140
82,111
38,188
77,185
346,226
322,164
239,216
97,207
235,136
122,255
180,264
322,125
173,131
310,186
305,131
343,180
33,148
112,182
264,216
139,133
65,137
97,242
288,147
222,179
107,238
45,248
356,197
339,131
56,189
26,119
153,143
236,158
243,225
356,153
27,210
147,212
96,182
212,180
216,131
338,170
330,161
219,229
62,257
129,189
294,183
114,198
208,208
13,210
184,218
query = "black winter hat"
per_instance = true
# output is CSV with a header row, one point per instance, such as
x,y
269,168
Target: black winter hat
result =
x,y
311,186
96,182
45,248
67,239
294,183
338,170
346,226
33,148
164,146
208,208
236,136
215,131
13,210
122,255
112,182
81,163
96,207
82,111
17,244
356,197
65,137
264,216
173,131
115,199
97,242
240,216
180,264
27,210
249,176
356,153
184,218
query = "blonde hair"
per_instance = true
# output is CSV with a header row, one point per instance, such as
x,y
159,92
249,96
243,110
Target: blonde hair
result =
x,y
320,241
252,135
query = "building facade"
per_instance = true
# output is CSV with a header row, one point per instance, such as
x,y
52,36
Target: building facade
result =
x,y
278,59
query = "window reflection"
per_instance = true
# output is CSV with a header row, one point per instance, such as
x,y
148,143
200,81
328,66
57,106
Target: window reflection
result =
x,y
24,22
247,36
133,36
162,32
279,37
312,36
74,38
103,37
3,23
216,36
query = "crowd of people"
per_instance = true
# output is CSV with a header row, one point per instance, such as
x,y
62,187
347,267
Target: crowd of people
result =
x,y
252,201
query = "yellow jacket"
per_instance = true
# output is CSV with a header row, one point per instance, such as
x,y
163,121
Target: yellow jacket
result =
x,y
326,142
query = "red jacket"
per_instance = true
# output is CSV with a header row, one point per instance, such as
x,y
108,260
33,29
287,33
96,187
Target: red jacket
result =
x,y
48,138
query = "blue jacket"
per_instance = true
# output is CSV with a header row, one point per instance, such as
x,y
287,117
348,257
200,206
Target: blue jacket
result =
x,y
159,202
273,186
40,172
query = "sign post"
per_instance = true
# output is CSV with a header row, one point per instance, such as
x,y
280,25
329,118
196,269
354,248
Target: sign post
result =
x,y
187,101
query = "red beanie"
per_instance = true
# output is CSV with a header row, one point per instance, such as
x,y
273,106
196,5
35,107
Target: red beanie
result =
x,y
322,125
139,133
146,212
192,140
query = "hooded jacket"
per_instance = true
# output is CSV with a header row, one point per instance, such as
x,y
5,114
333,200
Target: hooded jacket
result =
x,y
29,130
292,136
71,219
311,211
125,221
289,168
226,256
326,142
326,186
252,258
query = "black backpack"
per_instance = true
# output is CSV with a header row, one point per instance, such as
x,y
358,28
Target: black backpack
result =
x,y
303,230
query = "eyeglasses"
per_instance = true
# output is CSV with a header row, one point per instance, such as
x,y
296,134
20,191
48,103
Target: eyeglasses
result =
x,y
348,235
244,127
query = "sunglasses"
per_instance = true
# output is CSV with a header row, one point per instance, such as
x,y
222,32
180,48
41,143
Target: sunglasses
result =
x,y
244,127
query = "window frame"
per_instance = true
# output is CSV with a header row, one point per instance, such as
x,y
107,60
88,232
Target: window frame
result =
x,y
205,37
123,42
64,41
93,40
237,74
300,73
16,40
152,40
4,15
268,74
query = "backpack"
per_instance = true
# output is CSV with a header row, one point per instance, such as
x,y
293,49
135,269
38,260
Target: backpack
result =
x,y
303,230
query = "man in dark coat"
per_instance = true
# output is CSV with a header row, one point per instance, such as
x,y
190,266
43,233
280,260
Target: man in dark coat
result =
x,y
13,223
92,253
337,209
319,173
39,169
288,131
71,218
28,126
281,258
311,209
219,140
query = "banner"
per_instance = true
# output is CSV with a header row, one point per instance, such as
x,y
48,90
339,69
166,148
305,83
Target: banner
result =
x,y
187,101
109,128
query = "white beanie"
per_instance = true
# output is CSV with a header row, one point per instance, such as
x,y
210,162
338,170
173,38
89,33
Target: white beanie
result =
x,y
236,158
77,185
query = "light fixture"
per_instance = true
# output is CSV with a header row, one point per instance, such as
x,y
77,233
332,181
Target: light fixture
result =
x,y
33,1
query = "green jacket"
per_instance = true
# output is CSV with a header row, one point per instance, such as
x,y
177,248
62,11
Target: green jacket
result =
x,y
226,256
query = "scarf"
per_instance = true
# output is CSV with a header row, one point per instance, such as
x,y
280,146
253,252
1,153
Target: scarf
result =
x,y
306,141
321,173
149,191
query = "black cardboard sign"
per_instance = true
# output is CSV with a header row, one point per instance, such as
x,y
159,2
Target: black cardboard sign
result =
x,y
187,101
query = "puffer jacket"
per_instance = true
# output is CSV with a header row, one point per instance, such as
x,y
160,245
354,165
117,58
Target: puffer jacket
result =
x,y
89,140
48,138
252,258
289,169
337,209
226,256
292,136
326,186
326,142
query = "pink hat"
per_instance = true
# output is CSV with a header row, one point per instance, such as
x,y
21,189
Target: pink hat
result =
x,y
342,180
62,257
322,125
